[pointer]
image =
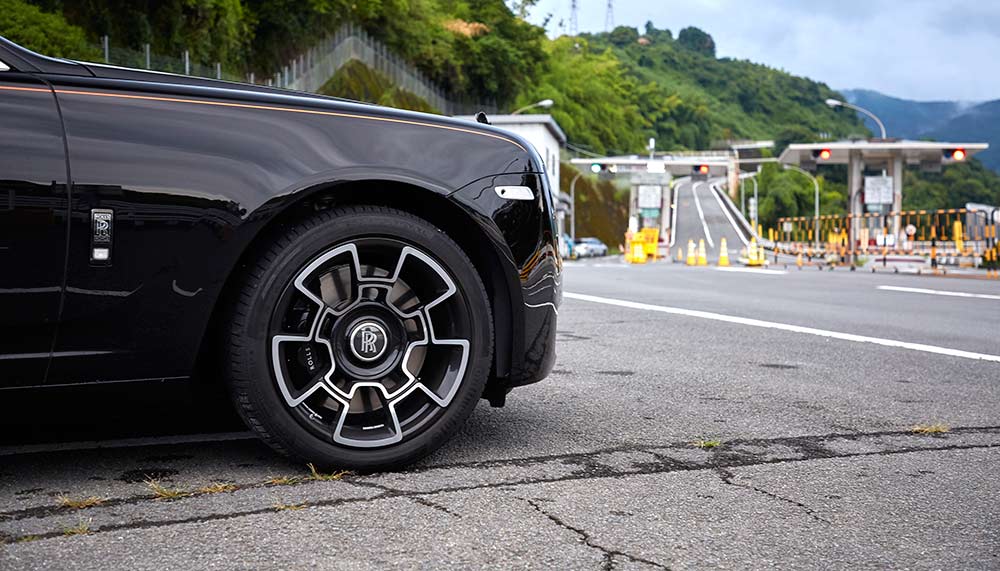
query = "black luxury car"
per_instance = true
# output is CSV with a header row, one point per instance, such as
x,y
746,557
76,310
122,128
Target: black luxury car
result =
x,y
358,276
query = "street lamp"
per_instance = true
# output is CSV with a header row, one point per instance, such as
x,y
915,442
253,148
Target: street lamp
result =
x,y
838,103
816,201
544,104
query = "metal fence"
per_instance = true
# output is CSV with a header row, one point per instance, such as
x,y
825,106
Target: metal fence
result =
x,y
310,70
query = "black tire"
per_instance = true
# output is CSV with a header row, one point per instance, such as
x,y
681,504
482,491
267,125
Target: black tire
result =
x,y
266,301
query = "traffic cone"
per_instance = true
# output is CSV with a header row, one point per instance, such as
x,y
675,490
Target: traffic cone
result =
x,y
723,253
680,254
798,261
702,256
691,255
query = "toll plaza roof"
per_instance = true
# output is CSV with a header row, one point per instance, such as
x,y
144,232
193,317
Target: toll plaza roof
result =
x,y
874,150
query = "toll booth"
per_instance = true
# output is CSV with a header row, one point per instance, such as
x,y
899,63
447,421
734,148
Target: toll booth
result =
x,y
875,172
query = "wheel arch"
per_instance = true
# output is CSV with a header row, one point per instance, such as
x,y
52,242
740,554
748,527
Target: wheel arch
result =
x,y
427,203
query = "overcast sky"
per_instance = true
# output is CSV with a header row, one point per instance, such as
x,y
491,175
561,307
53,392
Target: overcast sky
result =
x,y
914,49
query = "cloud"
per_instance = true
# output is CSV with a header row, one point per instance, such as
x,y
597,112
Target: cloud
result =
x,y
915,49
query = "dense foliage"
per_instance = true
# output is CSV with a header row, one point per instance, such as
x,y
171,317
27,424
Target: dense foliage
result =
x,y
43,32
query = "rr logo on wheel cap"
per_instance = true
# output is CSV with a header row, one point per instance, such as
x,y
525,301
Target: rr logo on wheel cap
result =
x,y
368,340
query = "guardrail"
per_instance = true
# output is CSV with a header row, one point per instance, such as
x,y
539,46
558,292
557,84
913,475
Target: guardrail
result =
x,y
953,236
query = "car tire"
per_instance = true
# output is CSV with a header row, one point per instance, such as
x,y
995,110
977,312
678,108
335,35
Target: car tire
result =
x,y
345,354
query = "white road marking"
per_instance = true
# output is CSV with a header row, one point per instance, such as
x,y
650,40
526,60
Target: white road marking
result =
x,y
125,443
753,271
785,327
715,192
701,214
675,198
938,292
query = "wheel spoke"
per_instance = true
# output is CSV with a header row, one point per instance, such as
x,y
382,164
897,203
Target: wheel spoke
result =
x,y
390,421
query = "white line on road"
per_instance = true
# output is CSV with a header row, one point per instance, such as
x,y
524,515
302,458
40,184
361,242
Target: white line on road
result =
x,y
937,292
715,192
753,271
784,327
701,214
125,443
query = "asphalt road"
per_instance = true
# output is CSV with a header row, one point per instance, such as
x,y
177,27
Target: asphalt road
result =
x,y
700,216
810,382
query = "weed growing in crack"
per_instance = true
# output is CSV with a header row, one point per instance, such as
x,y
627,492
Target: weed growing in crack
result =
x,y
317,476
936,428
81,504
82,528
27,539
218,488
706,444
164,493
282,481
289,507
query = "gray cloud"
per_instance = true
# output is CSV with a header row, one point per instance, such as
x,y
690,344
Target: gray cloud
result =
x,y
916,49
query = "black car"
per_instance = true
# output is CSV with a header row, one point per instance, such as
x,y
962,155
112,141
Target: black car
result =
x,y
358,276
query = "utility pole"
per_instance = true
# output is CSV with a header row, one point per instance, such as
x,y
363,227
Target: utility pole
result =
x,y
574,26
609,17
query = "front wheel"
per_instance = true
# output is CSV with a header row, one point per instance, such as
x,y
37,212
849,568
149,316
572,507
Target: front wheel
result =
x,y
362,339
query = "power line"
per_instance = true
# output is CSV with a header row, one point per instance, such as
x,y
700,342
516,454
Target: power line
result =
x,y
609,17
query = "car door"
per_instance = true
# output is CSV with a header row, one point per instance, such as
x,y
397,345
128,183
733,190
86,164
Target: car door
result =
x,y
34,202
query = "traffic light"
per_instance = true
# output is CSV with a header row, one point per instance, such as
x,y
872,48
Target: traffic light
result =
x,y
699,172
822,154
955,154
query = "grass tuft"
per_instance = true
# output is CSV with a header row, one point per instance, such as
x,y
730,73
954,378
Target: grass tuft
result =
x,y
164,493
936,428
316,476
82,528
217,488
81,504
27,538
289,507
706,444
282,481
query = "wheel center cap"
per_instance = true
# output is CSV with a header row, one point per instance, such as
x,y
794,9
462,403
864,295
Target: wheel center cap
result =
x,y
368,340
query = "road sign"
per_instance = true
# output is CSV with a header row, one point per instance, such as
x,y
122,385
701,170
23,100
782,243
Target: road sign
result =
x,y
878,190
911,230
787,227
649,212
650,196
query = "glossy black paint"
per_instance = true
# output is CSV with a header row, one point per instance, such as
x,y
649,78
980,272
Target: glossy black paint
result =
x,y
196,171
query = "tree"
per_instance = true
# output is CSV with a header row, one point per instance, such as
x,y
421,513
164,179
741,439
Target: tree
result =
x,y
697,41
623,36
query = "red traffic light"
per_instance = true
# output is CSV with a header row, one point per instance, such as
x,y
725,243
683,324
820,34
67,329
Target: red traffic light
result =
x,y
825,154
703,169
958,155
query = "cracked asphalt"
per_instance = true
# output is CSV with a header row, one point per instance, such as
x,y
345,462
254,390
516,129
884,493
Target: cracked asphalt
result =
x,y
816,465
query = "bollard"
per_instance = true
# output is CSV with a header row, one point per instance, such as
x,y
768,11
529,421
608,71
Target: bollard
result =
x,y
798,261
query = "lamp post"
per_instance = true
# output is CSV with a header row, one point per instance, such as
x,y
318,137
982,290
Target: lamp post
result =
x,y
544,104
838,103
816,201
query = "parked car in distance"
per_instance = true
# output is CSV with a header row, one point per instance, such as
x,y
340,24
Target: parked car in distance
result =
x,y
590,248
